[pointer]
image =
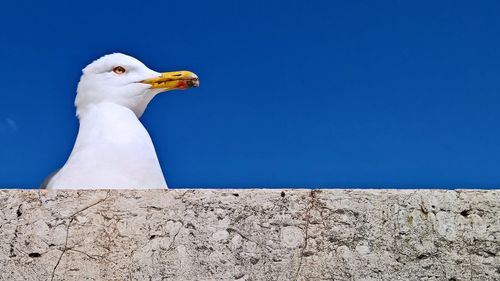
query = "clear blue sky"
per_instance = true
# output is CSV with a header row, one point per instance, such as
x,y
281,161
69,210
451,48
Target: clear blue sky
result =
x,y
293,93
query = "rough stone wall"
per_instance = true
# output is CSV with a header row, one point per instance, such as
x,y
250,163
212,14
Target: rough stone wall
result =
x,y
250,235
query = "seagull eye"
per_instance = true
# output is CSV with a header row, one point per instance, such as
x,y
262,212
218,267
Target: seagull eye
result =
x,y
119,70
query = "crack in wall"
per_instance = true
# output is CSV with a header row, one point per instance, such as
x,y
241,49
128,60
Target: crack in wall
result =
x,y
312,204
170,247
246,237
72,217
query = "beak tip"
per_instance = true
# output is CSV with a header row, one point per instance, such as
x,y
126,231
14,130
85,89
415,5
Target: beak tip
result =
x,y
195,83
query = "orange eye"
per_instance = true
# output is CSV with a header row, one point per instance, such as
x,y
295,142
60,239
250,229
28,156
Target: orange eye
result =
x,y
119,70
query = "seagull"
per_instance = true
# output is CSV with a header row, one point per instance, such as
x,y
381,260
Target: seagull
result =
x,y
113,150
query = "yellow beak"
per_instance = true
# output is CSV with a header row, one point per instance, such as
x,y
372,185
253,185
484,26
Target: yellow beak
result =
x,y
174,80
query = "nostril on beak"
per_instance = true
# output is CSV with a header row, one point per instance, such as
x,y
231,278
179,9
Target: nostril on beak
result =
x,y
178,74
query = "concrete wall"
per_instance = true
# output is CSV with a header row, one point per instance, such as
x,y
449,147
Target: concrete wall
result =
x,y
250,235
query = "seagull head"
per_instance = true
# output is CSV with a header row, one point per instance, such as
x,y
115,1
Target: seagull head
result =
x,y
125,81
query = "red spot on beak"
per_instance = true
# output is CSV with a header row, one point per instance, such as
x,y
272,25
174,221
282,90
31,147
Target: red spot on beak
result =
x,y
182,84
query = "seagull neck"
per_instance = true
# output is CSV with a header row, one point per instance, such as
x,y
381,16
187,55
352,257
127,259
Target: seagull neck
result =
x,y
110,121
104,108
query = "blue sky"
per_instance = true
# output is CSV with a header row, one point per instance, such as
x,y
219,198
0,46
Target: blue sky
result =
x,y
293,93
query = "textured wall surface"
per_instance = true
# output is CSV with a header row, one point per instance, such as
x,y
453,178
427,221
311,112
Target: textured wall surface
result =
x,y
250,235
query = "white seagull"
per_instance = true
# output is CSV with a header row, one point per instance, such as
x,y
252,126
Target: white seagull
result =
x,y
113,150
